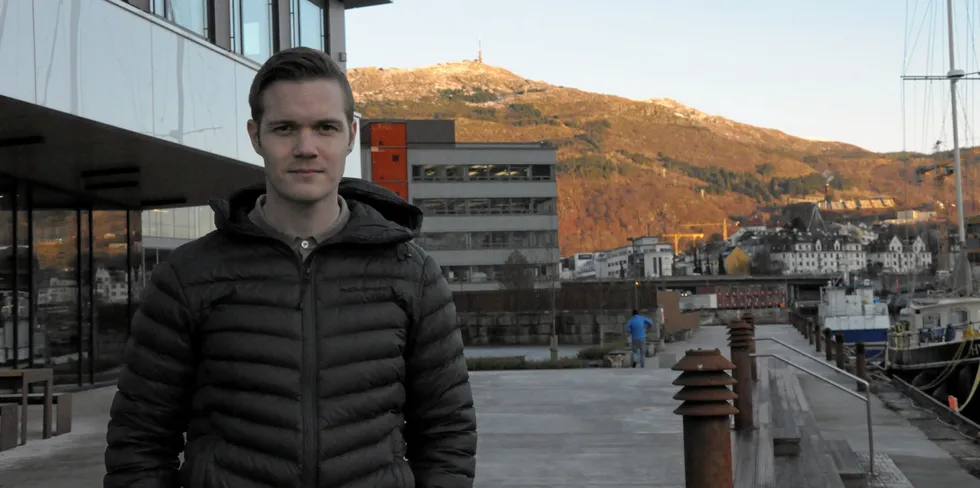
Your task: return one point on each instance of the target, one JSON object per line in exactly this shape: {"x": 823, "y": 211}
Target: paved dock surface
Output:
{"x": 568, "y": 429}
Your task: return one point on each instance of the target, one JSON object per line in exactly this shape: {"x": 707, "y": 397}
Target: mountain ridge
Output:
{"x": 629, "y": 167}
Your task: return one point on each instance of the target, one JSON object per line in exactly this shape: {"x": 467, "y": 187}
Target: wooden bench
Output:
{"x": 752, "y": 456}
{"x": 61, "y": 401}
{"x": 851, "y": 472}
{"x": 814, "y": 466}
{"x": 786, "y": 431}
{"x": 9, "y": 419}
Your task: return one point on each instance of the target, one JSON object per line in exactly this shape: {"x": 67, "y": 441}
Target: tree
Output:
{"x": 517, "y": 273}
{"x": 763, "y": 264}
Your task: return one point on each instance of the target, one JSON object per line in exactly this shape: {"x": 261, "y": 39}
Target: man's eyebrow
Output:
{"x": 329, "y": 120}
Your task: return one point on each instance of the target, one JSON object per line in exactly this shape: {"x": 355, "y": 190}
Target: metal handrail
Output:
{"x": 867, "y": 389}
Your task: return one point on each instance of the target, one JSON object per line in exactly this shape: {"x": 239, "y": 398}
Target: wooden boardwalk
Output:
{"x": 786, "y": 448}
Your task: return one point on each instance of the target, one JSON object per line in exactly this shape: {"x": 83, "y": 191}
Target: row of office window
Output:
{"x": 487, "y": 206}
{"x": 483, "y": 172}
{"x": 251, "y": 23}
{"x": 492, "y": 273}
{"x": 514, "y": 239}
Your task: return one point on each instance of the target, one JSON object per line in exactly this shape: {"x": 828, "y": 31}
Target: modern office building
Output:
{"x": 490, "y": 209}
{"x": 111, "y": 108}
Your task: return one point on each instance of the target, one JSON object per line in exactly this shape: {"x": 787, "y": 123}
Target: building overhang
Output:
{"x": 349, "y": 4}
{"x": 109, "y": 166}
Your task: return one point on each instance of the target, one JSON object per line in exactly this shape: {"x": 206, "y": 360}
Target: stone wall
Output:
{"x": 534, "y": 328}
{"x": 762, "y": 316}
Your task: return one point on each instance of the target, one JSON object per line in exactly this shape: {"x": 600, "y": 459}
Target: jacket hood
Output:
{"x": 377, "y": 215}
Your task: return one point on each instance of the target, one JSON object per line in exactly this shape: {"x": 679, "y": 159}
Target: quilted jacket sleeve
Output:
{"x": 149, "y": 413}
{"x": 440, "y": 423}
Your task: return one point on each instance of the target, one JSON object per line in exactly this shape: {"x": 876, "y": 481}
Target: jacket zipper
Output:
{"x": 309, "y": 377}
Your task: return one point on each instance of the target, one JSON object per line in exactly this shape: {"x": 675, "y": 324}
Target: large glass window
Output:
{"x": 189, "y": 14}
{"x": 251, "y": 27}
{"x": 64, "y": 283}
{"x": 306, "y": 20}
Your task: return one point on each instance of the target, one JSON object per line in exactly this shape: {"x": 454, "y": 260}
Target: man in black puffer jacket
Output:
{"x": 307, "y": 343}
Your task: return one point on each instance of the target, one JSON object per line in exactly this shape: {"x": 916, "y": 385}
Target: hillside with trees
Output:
{"x": 631, "y": 167}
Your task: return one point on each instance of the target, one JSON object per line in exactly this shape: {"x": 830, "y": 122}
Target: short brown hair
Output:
{"x": 298, "y": 64}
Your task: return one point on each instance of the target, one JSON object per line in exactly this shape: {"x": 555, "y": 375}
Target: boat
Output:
{"x": 934, "y": 333}
{"x": 932, "y": 336}
{"x": 854, "y": 312}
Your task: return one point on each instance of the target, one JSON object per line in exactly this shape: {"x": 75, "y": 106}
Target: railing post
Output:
{"x": 828, "y": 337}
{"x": 808, "y": 330}
{"x": 706, "y": 411}
{"x": 816, "y": 335}
{"x": 860, "y": 364}
{"x": 748, "y": 318}
{"x": 740, "y": 338}
{"x": 839, "y": 353}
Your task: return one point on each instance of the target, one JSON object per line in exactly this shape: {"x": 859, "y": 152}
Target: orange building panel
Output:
{"x": 388, "y": 134}
{"x": 400, "y": 188}
{"x": 389, "y": 165}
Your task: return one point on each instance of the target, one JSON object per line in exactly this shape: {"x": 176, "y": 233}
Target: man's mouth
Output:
{"x": 306, "y": 171}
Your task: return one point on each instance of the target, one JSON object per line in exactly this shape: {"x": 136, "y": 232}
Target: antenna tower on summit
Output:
{"x": 479, "y": 52}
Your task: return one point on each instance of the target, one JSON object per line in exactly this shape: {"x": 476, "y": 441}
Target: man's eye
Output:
{"x": 327, "y": 128}
{"x": 281, "y": 129}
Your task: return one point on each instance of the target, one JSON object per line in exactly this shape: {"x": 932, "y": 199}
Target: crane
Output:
{"x": 723, "y": 224}
{"x": 944, "y": 168}
{"x": 677, "y": 238}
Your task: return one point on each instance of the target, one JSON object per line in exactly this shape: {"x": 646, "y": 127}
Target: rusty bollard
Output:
{"x": 706, "y": 411}
{"x": 839, "y": 353}
{"x": 828, "y": 338}
{"x": 740, "y": 339}
{"x": 860, "y": 364}
{"x": 748, "y": 318}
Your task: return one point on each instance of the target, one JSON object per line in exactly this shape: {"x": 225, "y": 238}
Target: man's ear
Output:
{"x": 253, "y": 134}
{"x": 353, "y": 137}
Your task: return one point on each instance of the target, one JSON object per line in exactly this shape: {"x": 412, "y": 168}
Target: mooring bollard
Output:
{"x": 740, "y": 339}
{"x": 808, "y": 327}
{"x": 748, "y": 318}
{"x": 706, "y": 411}
{"x": 828, "y": 338}
{"x": 839, "y": 353}
{"x": 816, "y": 336}
{"x": 860, "y": 364}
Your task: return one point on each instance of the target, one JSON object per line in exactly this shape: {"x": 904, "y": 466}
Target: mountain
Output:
{"x": 632, "y": 167}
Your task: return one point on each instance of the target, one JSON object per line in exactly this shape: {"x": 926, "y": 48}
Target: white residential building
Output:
{"x": 897, "y": 255}
{"x": 654, "y": 258}
{"x": 820, "y": 255}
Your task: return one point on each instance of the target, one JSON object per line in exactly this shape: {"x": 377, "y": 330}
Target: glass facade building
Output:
{"x": 69, "y": 281}
{"x": 115, "y": 139}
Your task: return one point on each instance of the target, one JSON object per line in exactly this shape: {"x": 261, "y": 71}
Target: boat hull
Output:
{"x": 853, "y": 336}
{"x": 934, "y": 355}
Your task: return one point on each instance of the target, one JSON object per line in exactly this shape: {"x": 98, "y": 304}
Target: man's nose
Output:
{"x": 305, "y": 146}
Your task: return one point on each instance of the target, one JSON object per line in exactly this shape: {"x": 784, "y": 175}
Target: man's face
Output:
{"x": 304, "y": 138}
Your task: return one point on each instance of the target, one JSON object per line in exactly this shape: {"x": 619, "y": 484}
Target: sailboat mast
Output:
{"x": 954, "y": 75}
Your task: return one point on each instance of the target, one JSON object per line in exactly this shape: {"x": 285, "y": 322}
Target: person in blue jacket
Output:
{"x": 637, "y": 329}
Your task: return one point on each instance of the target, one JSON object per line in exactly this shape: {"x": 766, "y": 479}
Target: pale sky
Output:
{"x": 827, "y": 69}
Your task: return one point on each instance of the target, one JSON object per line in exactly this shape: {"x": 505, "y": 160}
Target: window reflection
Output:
{"x": 65, "y": 298}
{"x": 306, "y": 20}
{"x": 189, "y": 14}
{"x": 251, "y": 27}
{"x": 180, "y": 223}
